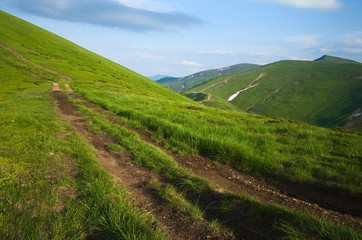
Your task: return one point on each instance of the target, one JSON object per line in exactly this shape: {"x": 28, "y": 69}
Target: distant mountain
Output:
{"x": 185, "y": 83}
{"x": 168, "y": 80}
{"x": 323, "y": 92}
{"x": 332, "y": 59}
{"x": 157, "y": 77}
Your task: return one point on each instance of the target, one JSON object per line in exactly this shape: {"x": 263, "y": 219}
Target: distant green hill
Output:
{"x": 324, "y": 92}
{"x": 157, "y": 77}
{"x": 332, "y": 59}
{"x": 168, "y": 80}
{"x": 185, "y": 83}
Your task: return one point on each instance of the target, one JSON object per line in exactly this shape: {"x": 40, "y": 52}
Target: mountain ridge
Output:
{"x": 317, "y": 80}
{"x": 334, "y": 59}
{"x": 157, "y": 77}
{"x": 184, "y": 83}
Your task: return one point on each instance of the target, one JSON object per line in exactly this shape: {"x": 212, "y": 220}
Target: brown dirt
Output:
{"x": 133, "y": 177}
{"x": 69, "y": 90}
{"x": 136, "y": 179}
{"x": 342, "y": 209}
{"x": 294, "y": 196}
{"x": 23, "y": 59}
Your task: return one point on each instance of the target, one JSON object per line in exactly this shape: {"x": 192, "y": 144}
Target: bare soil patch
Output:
{"x": 338, "y": 207}
{"x": 136, "y": 179}
{"x": 25, "y": 60}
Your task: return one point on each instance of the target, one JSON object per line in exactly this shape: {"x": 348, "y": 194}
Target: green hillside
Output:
{"x": 332, "y": 59}
{"x": 185, "y": 83}
{"x": 322, "y": 93}
{"x": 168, "y": 80}
{"x": 104, "y": 161}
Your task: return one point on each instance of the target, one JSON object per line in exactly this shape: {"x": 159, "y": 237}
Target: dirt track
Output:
{"x": 228, "y": 179}
{"x": 135, "y": 179}
{"x": 294, "y": 196}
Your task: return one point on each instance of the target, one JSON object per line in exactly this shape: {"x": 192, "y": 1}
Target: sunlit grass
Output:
{"x": 196, "y": 198}
{"x": 263, "y": 146}
{"x": 41, "y": 201}
{"x": 51, "y": 185}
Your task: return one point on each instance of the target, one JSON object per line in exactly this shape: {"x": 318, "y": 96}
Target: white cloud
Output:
{"x": 248, "y": 51}
{"x": 314, "y": 4}
{"x": 304, "y": 41}
{"x": 353, "y": 39}
{"x": 218, "y": 52}
{"x": 132, "y": 3}
{"x": 109, "y": 13}
{"x": 259, "y": 54}
{"x": 190, "y": 63}
{"x": 326, "y": 50}
{"x": 352, "y": 50}
{"x": 297, "y": 58}
{"x": 150, "y": 56}
{"x": 349, "y": 43}
{"x": 150, "y": 5}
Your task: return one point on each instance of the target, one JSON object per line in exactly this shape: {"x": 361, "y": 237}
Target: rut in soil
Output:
{"x": 136, "y": 178}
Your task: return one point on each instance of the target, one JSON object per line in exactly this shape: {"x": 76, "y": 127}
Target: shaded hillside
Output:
{"x": 168, "y": 80}
{"x": 157, "y": 77}
{"x": 91, "y": 150}
{"x": 332, "y": 59}
{"x": 322, "y": 93}
{"x": 185, "y": 83}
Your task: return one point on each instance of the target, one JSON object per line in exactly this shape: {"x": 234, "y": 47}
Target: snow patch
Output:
{"x": 232, "y": 97}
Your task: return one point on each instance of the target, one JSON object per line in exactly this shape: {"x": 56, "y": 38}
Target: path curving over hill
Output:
{"x": 22, "y": 58}
{"x": 136, "y": 178}
{"x": 251, "y": 85}
{"x": 222, "y": 176}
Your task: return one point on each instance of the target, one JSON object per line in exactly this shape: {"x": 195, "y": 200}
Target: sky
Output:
{"x": 182, "y": 37}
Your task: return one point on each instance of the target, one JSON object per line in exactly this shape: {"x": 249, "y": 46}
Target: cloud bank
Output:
{"x": 190, "y": 63}
{"x": 108, "y": 13}
{"x": 314, "y": 4}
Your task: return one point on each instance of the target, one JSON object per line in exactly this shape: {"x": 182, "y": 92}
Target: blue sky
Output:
{"x": 181, "y": 37}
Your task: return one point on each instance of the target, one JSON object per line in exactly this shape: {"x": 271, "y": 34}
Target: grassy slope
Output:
{"x": 51, "y": 185}
{"x": 260, "y": 145}
{"x": 54, "y": 52}
{"x": 318, "y": 93}
{"x": 185, "y": 83}
{"x": 189, "y": 193}
{"x": 332, "y": 59}
{"x": 167, "y": 80}
{"x": 263, "y": 146}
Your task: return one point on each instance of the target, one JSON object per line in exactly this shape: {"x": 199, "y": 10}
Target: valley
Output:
{"x": 323, "y": 93}
{"x": 185, "y": 83}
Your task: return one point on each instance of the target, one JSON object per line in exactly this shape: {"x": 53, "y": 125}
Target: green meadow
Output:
{"x": 52, "y": 186}
{"x": 323, "y": 93}
{"x": 185, "y": 83}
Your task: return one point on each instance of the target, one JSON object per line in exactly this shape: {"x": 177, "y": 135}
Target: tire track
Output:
{"x": 135, "y": 178}
{"x": 226, "y": 178}
{"x": 223, "y": 176}
{"x": 23, "y": 59}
